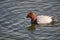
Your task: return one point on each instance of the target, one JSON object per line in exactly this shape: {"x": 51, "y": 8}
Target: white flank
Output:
{"x": 43, "y": 19}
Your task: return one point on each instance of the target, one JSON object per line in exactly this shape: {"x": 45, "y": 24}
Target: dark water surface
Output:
{"x": 13, "y": 22}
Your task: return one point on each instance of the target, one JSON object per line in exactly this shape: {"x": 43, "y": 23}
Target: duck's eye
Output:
{"x": 30, "y": 16}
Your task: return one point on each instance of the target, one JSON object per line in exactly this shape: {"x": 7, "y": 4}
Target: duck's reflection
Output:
{"x": 32, "y": 27}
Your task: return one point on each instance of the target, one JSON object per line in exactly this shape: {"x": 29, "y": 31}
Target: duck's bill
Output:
{"x": 27, "y": 16}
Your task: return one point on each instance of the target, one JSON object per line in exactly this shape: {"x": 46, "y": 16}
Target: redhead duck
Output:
{"x": 42, "y": 19}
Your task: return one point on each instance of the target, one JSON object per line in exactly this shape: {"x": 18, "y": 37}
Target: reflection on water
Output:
{"x": 32, "y": 27}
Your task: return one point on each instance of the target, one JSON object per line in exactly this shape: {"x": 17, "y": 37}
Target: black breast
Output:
{"x": 34, "y": 22}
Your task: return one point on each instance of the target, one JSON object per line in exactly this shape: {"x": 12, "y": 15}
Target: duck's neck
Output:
{"x": 34, "y": 21}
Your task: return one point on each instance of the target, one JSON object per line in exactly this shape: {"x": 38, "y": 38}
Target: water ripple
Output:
{"x": 13, "y": 22}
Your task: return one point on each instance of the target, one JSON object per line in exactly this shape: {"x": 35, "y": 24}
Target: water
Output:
{"x": 13, "y": 22}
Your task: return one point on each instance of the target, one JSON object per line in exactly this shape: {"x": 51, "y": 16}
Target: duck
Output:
{"x": 41, "y": 19}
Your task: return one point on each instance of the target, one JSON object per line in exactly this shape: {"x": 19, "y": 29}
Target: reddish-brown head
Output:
{"x": 32, "y": 16}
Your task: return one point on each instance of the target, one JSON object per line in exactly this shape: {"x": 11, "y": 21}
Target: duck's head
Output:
{"x": 32, "y": 16}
